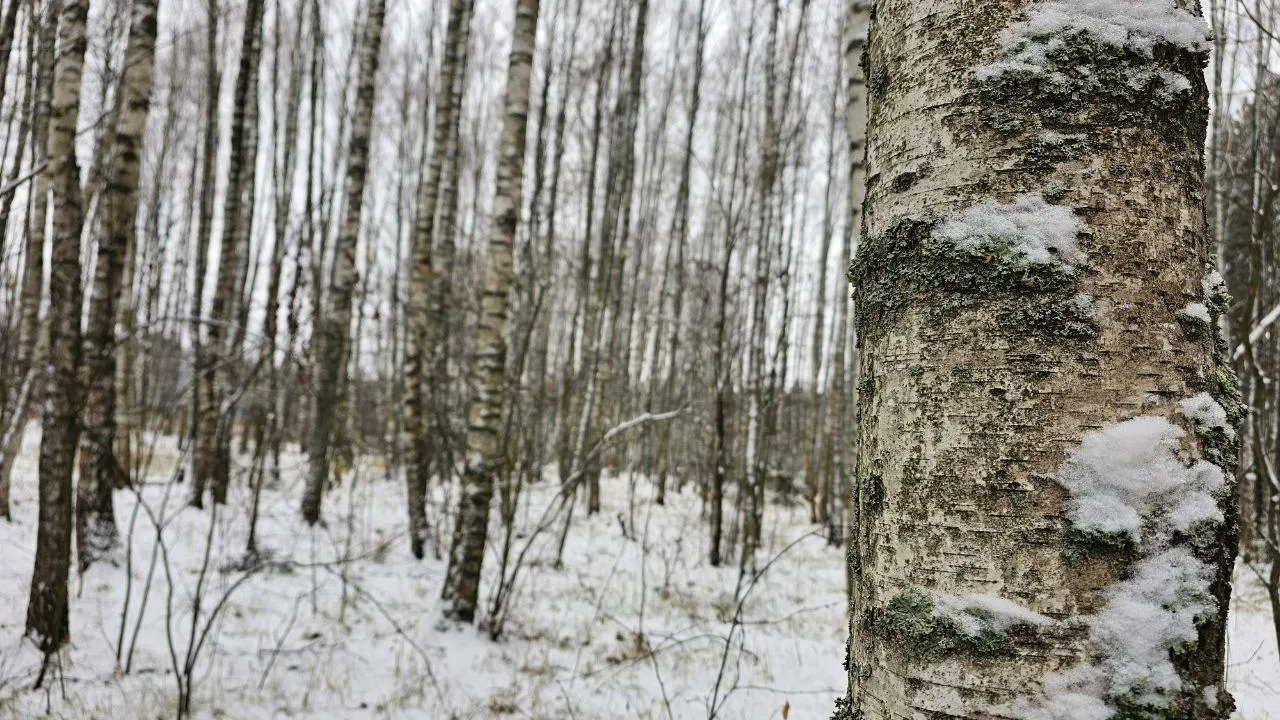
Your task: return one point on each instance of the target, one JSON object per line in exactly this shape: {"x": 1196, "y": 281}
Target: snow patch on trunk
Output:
{"x": 1128, "y": 478}
{"x": 1198, "y": 312}
{"x": 1137, "y": 25}
{"x": 1129, "y": 474}
{"x": 1028, "y": 231}
{"x": 1206, "y": 413}
{"x": 975, "y": 615}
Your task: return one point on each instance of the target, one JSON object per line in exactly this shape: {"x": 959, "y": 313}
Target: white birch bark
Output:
{"x": 334, "y": 326}
{"x": 484, "y": 459}
{"x": 100, "y": 470}
{"x": 47, "y": 611}
{"x": 992, "y": 367}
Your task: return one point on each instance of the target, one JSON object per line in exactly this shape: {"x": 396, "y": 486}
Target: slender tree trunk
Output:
{"x": 680, "y": 236}
{"x": 213, "y": 447}
{"x": 444, "y": 318}
{"x": 417, "y": 347}
{"x": 1025, "y": 378}
{"x": 47, "y": 612}
{"x": 288, "y": 143}
{"x": 334, "y": 326}
{"x": 614, "y": 233}
{"x": 204, "y": 358}
{"x": 8, "y": 29}
{"x": 484, "y": 448}
{"x": 857, "y": 22}
{"x": 31, "y": 338}
{"x": 100, "y": 471}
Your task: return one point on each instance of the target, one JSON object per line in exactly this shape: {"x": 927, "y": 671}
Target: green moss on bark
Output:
{"x": 844, "y": 710}
{"x": 909, "y": 622}
{"x": 1080, "y": 547}
{"x": 1088, "y": 80}
{"x": 904, "y": 266}
{"x": 1057, "y": 315}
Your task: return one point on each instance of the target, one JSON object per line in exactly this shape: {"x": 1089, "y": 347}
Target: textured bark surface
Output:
{"x": 47, "y": 621}
{"x": 100, "y": 470}
{"x": 417, "y": 343}
{"x": 334, "y": 325}
{"x": 972, "y": 392}
{"x": 485, "y": 458}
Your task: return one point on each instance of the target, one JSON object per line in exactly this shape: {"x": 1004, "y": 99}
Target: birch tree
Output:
{"x": 225, "y": 331}
{"x": 1047, "y": 413}
{"x": 334, "y": 326}
{"x": 100, "y": 470}
{"x": 485, "y": 455}
{"x": 47, "y": 611}
{"x": 418, "y": 404}
{"x": 31, "y": 339}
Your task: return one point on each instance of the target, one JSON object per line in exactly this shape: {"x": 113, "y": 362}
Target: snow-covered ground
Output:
{"x": 635, "y": 624}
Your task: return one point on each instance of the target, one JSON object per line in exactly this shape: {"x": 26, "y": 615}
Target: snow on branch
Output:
{"x": 1258, "y": 331}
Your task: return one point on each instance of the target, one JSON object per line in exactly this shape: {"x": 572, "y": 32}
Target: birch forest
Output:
{"x": 451, "y": 359}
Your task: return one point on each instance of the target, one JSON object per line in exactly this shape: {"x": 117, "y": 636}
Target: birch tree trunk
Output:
{"x": 288, "y": 147}
{"x": 1047, "y": 413}
{"x": 31, "y": 337}
{"x": 100, "y": 471}
{"x": 335, "y": 325}
{"x": 47, "y": 619}
{"x": 8, "y": 30}
{"x": 680, "y": 236}
{"x": 417, "y": 344}
{"x": 203, "y": 359}
{"x": 614, "y": 231}
{"x": 485, "y": 457}
{"x": 213, "y": 446}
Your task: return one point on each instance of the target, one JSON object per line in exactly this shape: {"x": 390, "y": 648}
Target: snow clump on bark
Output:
{"x": 1028, "y": 231}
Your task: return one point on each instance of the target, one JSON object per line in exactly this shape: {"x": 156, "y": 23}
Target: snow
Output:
{"x": 1128, "y": 478}
{"x": 1138, "y": 25}
{"x": 1034, "y": 231}
{"x": 975, "y": 615}
{"x": 1054, "y": 138}
{"x": 1130, "y": 472}
{"x": 1206, "y": 413}
{"x": 1084, "y": 305}
{"x": 1198, "y": 312}
{"x": 1253, "y": 660}
{"x": 1148, "y": 615}
{"x": 623, "y": 624}
{"x": 1213, "y": 284}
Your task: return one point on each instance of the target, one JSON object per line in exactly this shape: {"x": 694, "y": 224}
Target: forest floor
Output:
{"x": 342, "y": 622}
